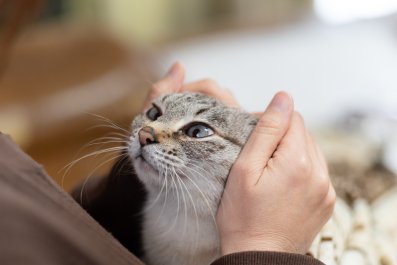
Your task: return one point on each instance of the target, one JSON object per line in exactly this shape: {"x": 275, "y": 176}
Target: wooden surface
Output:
{"x": 55, "y": 77}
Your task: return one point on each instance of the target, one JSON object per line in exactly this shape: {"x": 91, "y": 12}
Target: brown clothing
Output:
{"x": 41, "y": 224}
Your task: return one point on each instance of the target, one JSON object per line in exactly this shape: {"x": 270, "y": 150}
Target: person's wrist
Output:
{"x": 258, "y": 243}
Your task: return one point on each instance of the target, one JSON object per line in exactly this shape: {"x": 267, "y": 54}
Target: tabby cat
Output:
{"x": 182, "y": 150}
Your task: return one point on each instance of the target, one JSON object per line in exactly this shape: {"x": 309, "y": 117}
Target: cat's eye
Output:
{"x": 198, "y": 130}
{"x": 153, "y": 113}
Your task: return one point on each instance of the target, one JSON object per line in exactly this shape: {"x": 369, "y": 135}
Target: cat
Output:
{"x": 166, "y": 186}
{"x": 182, "y": 149}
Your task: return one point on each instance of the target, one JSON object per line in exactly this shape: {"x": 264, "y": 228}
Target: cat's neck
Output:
{"x": 189, "y": 225}
{"x": 179, "y": 202}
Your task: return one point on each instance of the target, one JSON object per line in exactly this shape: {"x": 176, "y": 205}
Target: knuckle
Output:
{"x": 298, "y": 118}
{"x": 301, "y": 171}
{"x": 228, "y": 92}
{"x": 303, "y": 164}
{"x": 239, "y": 168}
{"x": 210, "y": 83}
{"x": 268, "y": 125}
{"x": 157, "y": 89}
{"x": 322, "y": 187}
{"x": 323, "y": 184}
{"x": 330, "y": 199}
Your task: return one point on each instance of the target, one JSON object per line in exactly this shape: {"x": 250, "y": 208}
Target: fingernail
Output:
{"x": 173, "y": 70}
{"x": 281, "y": 102}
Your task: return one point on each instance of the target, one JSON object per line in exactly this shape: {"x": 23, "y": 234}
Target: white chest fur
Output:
{"x": 178, "y": 233}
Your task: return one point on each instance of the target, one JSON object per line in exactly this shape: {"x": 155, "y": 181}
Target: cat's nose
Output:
{"x": 147, "y": 136}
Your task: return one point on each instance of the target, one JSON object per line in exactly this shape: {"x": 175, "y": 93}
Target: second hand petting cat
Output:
{"x": 182, "y": 150}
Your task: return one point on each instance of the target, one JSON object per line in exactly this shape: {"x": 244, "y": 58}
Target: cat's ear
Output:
{"x": 172, "y": 82}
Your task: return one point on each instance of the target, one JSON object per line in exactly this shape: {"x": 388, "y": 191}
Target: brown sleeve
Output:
{"x": 42, "y": 224}
{"x": 116, "y": 202}
{"x": 265, "y": 258}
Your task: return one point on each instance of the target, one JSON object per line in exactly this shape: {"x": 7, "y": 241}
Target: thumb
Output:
{"x": 270, "y": 129}
{"x": 172, "y": 82}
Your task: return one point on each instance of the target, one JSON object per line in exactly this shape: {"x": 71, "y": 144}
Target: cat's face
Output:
{"x": 188, "y": 141}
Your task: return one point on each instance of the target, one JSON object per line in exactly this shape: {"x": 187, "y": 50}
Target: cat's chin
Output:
{"x": 145, "y": 171}
{"x": 142, "y": 165}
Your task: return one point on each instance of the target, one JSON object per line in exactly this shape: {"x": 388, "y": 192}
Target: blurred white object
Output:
{"x": 327, "y": 69}
{"x": 390, "y": 154}
{"x": 370, "y": 238}
{"x": 376, "y": 128}
{"x": 345, "y": 11}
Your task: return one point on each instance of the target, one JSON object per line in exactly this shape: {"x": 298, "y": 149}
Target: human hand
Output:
{"x": 173, "y": 82}
{"x": 278, "y": 194}
{"x": 292, "y": 188}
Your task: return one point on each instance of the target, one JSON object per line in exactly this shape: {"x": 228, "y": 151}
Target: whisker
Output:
{"x": 207, "y": 173}
{"x": 184, "y": 202}
{"x": 121, "y": 163}
{"x": 225, "y": 197}
{"x": 177, "y": 197}
{"x": 92, "y": 172}
{"x": 204, "y": 197}
{"x": 115, "y": 125}
{"x": 97, "y": 140}
{"x": 119, "y": 135}
{"x": 106, "y": 142}
{"x": 157, "y": 197}
{"x": 177, "y": 213}
{"x": 95, "y": 153}
{"x": 166, "y": 195}
{"x": 161, "y": 157}
{"x": 204, "y": 173}
{"x": 123, "y": 132}
{"x": 195, "y": 211}
{"x": 109, "y": 137}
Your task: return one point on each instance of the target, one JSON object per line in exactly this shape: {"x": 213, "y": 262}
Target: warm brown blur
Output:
{"x": 63, "y": 59}
{"x": 52, "y": 76}
{"x": 14, "y": 15}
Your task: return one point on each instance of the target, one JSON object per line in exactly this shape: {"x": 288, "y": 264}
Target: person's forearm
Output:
{"x": 265, "y": 258}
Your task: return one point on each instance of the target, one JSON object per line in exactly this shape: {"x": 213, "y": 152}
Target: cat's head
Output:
{"x": 189, "y": 140}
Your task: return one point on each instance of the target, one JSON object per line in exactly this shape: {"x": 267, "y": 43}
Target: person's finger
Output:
{"x": 293, "y": 152}
{"x": 321, "y": 157}
{"x": 298, "y": 146}
{"x": 317, "y": 152}
{"x": 257, "y": 114}
{"x": 211, "y": 88}
{"x": 264, "y": 139}
{"x": 171, "y": 82}
{"x": 295, "y": 142}
{"x": 331, "y": 199}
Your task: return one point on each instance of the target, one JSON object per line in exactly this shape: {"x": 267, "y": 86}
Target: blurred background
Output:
{"x": 61, "y": 61}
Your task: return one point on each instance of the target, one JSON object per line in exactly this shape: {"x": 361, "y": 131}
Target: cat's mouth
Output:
{"x": 144, "y": 163}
